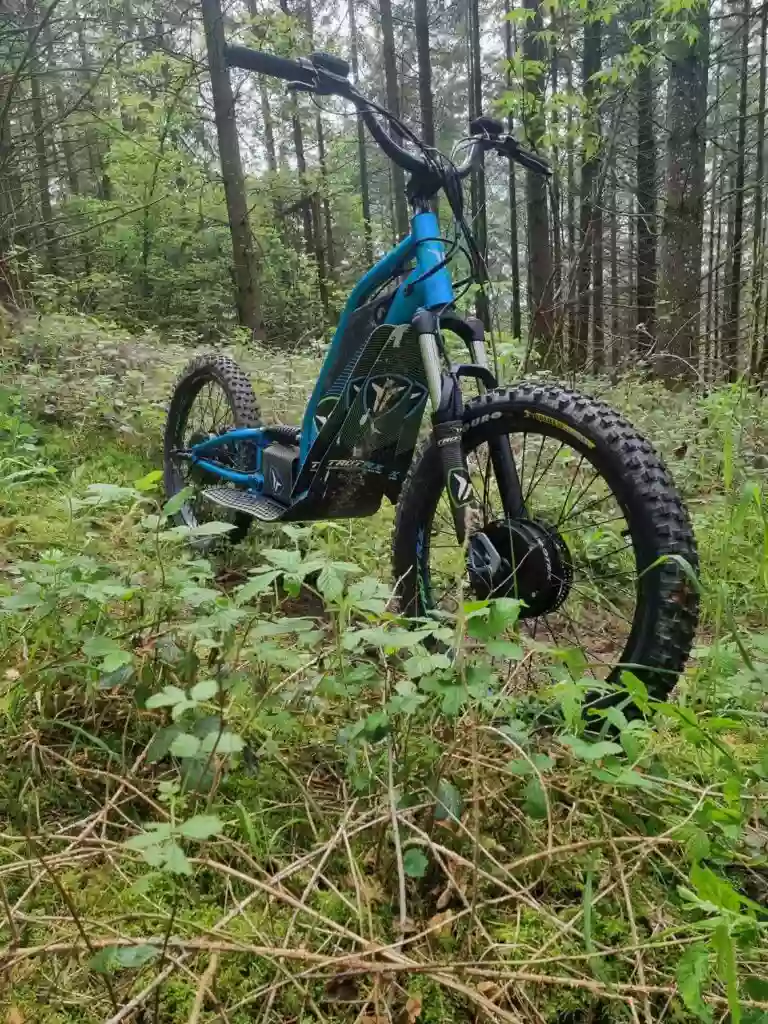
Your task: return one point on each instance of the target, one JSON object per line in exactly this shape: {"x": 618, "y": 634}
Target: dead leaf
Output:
{"x": 490, "y": 989}
{"x": 413, "y": 1008}
{"x": 445, "y": 897}
{"x": 410, "y": 1011}
{"x": 441, "y": 923}
{"x": 15, "y": 1016}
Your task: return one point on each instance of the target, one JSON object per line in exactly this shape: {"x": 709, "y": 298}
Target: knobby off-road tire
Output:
{"x": 666, "y": 602}
{"x": 237, "y": 408}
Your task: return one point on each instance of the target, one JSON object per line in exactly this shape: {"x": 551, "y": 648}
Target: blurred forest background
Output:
{"x": 118, "y": 196}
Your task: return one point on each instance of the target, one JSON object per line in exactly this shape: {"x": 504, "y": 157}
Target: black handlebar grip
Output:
{"x": 268, "y": 64}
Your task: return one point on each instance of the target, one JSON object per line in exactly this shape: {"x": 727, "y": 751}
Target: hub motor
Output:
{"x": 521, "y": 558}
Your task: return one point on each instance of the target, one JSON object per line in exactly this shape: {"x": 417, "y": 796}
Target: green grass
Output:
{"x": 629, "y": 879}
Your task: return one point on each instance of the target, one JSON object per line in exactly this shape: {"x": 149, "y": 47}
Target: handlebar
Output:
{"x": 326, "y": 74}
{"x": 268, "y": 64}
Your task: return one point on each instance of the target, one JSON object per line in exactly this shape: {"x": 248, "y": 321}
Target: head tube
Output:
{"x": 425, "y": 287}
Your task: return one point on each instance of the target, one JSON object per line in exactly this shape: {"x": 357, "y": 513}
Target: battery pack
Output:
{"x": 278, "y": 465}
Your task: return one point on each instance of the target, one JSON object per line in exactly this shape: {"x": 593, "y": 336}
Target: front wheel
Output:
{"x": 590, "y": 558}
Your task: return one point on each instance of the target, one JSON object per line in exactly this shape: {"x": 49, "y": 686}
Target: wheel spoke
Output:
{"x": 543, "y": 473}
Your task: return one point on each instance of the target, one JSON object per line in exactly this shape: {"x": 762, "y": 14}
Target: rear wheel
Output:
{"x": 211, "y": 397}
{"x": 588, "y": 559}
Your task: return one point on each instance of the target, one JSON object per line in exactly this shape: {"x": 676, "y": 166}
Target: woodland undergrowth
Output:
{"x": 236, "y": 786}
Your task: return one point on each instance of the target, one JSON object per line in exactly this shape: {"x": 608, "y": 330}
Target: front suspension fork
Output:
{"x": 499, "y": 448}
{"x": 448, "y": 425}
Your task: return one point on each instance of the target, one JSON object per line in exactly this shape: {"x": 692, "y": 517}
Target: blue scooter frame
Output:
{"x": 428, "y": 286}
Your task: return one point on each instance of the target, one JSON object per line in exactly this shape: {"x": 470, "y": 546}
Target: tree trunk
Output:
{"x": 245, "y": 266}
{"x": 590, "y": 163}
{"x": 421, "y": 18}
{"x": 645, "y": 169}
{"x": 632, "y": 268}
{"x": 477, "y": 191}
{"x": 305, "y": 202}
{"x": 734, "y": 302}
{"x": 393, "y": 105}
{"x": 711, "y": 301}
{"x": 758, "y": 254}
{"x": 269, "y": 126}
{"x": 12, "y": 215}
{"x": 514, "y": 257}
{"x": 684, "y": 214}
{"x": 539, "y": 248}
{"x": 329, "y": 260}
{"x": 361, "y": 151}
{"x": 573, "y": 324}
{"x": 67, "y": 152}
{"x": 598, "y": 319}
{"x": 557, "y": 360}
{"x": 726, "y": 332}
{"x": 716, "y": 338}
{"x": 615, "y": 326}
{"x": 41, "y": 150}
{"x": 266, "y": 109}
{"x": 93, "y": 145}
{"x": 710, "y": 323}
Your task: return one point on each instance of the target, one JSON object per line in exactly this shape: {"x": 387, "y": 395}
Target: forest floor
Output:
{"x": 224, "y": 803}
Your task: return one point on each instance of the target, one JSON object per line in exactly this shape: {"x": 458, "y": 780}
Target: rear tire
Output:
{"x": 666, "y": 599}
{"x": 230, "y": 404}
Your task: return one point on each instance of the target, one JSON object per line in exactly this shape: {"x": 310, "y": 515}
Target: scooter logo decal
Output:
{"x": 324, "y": 409}
{"x": 459, "y": 487}
{"x": 383, "y": 393}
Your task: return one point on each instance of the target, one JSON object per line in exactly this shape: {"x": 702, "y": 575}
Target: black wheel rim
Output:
{"x": 563, "y": 488}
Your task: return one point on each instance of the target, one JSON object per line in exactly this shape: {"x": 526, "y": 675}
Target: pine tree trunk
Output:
{"x": 645, "y": 169}
{"x": 401, "y": 225}
{"x": 710, "y": 323}
{"x": 362, "y": 156}
{"x": 67, "y": 151}
{"x": 710, "y": 306}
{"x": 631, "y": 273}
{"x": 514, "y": 256}
{"x": 13, "y": 219}
{"x": 734, "y": 302}
{"x": 682, "y": 230}
{"x": 598, "y": 319}
{"x": 539, "y": 248}
{"x": 479, "y": 216}
{"x": 329, "y": 260}
{"x": 266, "y": 109}
{"x": 717, "y": 319}
{"x": 41, "y": 150}
{"x": 557, "y": 358}
{"x": 615, "y": 326}
{"x": 421, "y": 18}
{"x": 758, "y": 253}
{"x": 245, "y": 266}
{"x": 269, "y": 126}
{"x": 573, "y": 320}
{"x": 305, "y": 200}
{"x": 589, "y": 176}
{"x": 93, "y": 145}
{"x": 725, "y": 339}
